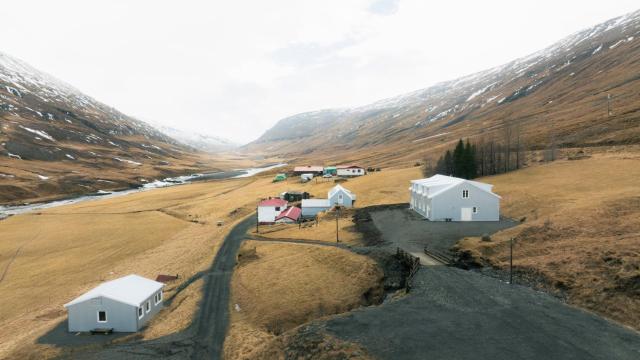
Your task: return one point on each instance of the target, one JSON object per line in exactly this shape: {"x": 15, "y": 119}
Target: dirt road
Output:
{"x": 213, "y": 317}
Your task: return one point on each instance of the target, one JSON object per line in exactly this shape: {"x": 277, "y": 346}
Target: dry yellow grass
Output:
{"x": 67, "y": 250}
{"x": 582, "y": 230}
{"x": 280, "y": 286}
{"x": 324, "y": 230}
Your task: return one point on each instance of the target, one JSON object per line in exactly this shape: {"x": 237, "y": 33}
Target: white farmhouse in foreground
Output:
{"x": 124, "y": 305}
{"x": 443, "y": 197}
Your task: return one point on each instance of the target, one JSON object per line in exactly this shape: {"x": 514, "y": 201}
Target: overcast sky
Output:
{"x": 234, "y": 68}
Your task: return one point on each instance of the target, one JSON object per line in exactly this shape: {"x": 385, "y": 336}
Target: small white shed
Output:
{"x": 124, "y": 305}
{"x": 338, "y": 195}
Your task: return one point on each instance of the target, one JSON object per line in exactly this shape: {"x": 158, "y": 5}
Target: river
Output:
{"x": 6, "y": 211}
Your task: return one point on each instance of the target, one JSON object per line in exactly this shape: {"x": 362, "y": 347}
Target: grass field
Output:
{"x": 54, "y": 255}
{"x": 581, "y": 234}
{"x": 277, "y": 287}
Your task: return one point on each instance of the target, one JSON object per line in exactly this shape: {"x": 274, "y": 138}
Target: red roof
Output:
{"x": 273, "y": 202}
{"x": 166, "y": 278}
{"x": 292, "y": 213}
{"x": 308, "y": 168}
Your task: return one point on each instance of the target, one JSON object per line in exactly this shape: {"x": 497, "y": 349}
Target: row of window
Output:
{"x": 147, "y": 306}
{"x": 102, "y": 314}
{"x": 425, "y": 191}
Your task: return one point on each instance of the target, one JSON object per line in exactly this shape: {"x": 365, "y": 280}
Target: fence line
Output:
{"x": 411, "y": 262}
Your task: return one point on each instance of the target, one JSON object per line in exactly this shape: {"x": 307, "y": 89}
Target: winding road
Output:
{"x": 213, "y": 317}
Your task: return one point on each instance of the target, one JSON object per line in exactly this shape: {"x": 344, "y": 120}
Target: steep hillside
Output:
{"x": 56, "y": 141}
{"x": 560, "y": 92}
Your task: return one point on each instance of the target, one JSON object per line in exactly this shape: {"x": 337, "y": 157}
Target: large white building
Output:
{"x": 443, "y": 197}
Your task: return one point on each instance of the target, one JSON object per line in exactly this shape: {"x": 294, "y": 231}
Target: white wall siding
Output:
{"x": 268, "y": 214}
{"x": 350, "y": 172}
{"x": 342, "y": 198}
{"x": 449, "y": 203}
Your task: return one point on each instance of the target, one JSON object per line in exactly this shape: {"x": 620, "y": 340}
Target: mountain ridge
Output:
{"x": 552, "y": 83}
{"x": 55, "y": 141}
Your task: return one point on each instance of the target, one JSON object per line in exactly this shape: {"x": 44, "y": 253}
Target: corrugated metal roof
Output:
{"x": 308, "y": 168}
{"x": 273, "y": 202}
{"x": 292, "y": 213}
{"x": 131, "y": 289}
{"x": 441, "y": 183}
{"x": 313, "y": 203}
{"x": 337, "y": 188}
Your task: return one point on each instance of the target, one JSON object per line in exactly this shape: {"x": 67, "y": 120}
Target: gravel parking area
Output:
{"x": 457, "y": 314}
{"x": 411, "y": 232}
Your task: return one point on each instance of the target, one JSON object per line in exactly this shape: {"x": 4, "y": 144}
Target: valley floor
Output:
{"x": 51, "y": 256}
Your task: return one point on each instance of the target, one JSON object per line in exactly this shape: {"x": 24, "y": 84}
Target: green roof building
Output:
{"x": 331, "y": 170}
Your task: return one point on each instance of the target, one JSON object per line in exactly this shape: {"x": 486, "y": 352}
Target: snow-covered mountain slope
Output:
{"x": 203, "y": 142}
{"x": 561, "y": 89}
{"x": 55, "y": 140}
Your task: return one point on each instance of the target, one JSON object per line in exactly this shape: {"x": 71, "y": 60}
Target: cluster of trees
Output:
{"x": 488, "y": 156}
{"x": 461, "y": 162}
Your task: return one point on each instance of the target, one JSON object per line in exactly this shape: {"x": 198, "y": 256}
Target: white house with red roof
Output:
{"x": 290, "y": 216}
{"x": 269, "y": 209}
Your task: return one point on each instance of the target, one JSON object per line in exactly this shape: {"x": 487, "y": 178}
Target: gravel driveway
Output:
{"x": 411, "y": 232}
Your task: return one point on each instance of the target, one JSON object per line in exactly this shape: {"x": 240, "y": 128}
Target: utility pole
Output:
{"x": 511, "y": 261}
{"x": 337, "y": 216}
{"x": 257, "y": 221}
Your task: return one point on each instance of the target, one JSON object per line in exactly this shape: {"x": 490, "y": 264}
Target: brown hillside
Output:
{"x": 56, "y": 141}
{"x": 560, "y": 92}
{"x": 581, "y": 236}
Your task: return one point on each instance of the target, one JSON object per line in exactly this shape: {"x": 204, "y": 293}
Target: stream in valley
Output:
{"x": 6, "y": 211}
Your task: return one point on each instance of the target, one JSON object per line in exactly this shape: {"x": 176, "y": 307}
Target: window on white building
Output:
{"x": 147, "y": 306}
{"x": 140, "y": 312}
{"x": 102, "y": 316}
{"x": 465, "y": 194}
{"x": 475, "y": 210}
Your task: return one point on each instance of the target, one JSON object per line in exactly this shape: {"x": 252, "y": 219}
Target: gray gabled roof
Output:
{"x": 439, "y": 184}
{"x": 131, "y": 289}
{"x": 339, "y": 188}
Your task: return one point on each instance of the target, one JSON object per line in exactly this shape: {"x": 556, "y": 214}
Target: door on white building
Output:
{"x": 466, "y": 214}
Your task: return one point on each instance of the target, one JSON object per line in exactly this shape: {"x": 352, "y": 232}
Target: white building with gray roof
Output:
{"x": 123, "y": 305}
{"x": 443, "y": 198}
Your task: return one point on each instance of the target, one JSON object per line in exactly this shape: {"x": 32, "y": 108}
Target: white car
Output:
{"x": 327, "y": 176}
